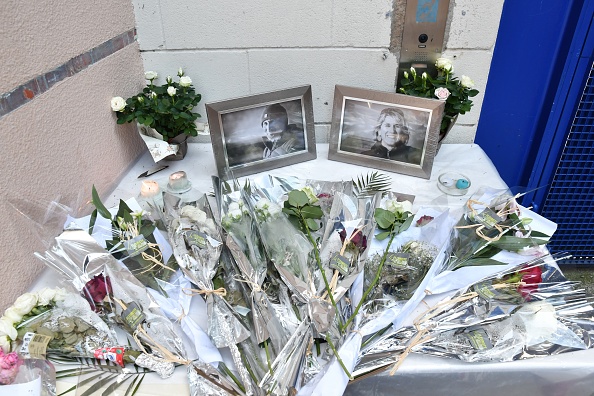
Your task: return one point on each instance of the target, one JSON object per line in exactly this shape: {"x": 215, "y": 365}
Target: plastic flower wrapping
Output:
{"x": 283, "y": 286}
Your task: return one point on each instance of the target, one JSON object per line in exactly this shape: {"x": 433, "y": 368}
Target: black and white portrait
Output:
{"x": 263, "y": 132}
{"x": 387, "y": 131}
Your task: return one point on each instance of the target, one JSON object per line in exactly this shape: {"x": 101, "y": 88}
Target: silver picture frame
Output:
{"x": 255, "y": 133}
{"x": 382, "y": 130}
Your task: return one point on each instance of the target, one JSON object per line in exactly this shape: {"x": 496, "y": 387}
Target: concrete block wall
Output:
{"x": 233, "y": 48}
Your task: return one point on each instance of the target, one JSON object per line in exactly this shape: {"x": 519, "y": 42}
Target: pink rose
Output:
{"x": 442, "y": 93}
{"x": 9, "y": 366}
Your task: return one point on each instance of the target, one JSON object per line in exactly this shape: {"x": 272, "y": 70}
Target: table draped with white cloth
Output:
{"x": 564, "y": 374}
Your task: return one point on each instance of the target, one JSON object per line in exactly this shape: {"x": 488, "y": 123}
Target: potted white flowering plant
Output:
{"x": 444, "y": 86}
{"x": 165, "y": 111}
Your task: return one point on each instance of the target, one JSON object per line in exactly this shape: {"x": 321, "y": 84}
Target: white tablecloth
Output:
{"x": 567, "y": 374}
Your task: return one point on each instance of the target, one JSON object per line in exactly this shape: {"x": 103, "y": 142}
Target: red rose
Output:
{"x": 531, "y": 278}
{"x": 359, "y": 240}
{"x": 96, "y": 289}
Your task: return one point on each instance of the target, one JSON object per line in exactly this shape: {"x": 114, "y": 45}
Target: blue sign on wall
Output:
{"x": 427, "y": 11}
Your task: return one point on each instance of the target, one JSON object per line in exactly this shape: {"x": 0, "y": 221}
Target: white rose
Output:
{"x": 168, "y": 79}
{"x": 150, "y": 75}
{"x": 7, "y": 329}
{"x": 118, "y": 103}
{"x": 424, "y": 76}
{"x": 45, "y": 296}
{"x": 311, "y": 195}
{"x": 405, "y": 74}
{"x": 12, "y": 315}
{"x": 61, "y": 294}
{"x": 444, "y": 64}
{"x": 25, "y": 303}
{"x": 466, "y": 82}
{"x": 180, "y": 72}
{"x": 5, "y": 344}
{"x": 442, "y": 93}
{"x": 153, "y": 95}
{"x": 398, "y": 207}
{"x": 185, "y": 81}
{"x": 171, "y": 91}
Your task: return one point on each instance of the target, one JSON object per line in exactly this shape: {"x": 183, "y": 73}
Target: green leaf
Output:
{"x": 92, "y": 221}
{"x": 289, "y": 211}
{"x": 404, "y": 226}
{"x": 312, "y": 224}
{"x": 298, "y": 198}
{"x": 476, "y": 262}
{"x": 513, "y": 244}
{"x": 382, "y": 235}
{"x": 99, "y": 205}
{"x": 384, "y": 218}
{"x": 312, "y": 212}
{"x": 147, "y": 230}
{"x": 539, "y": 234}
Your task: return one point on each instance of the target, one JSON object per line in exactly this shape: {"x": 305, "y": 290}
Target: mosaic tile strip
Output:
{"x": 14, "y": 99}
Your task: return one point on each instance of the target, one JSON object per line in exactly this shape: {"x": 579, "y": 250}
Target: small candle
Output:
{"x": 149, "y": 188}
{"x": 178, "y": 181}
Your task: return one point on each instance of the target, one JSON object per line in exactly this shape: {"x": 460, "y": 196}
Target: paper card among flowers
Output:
{"x": 158, "y": 148}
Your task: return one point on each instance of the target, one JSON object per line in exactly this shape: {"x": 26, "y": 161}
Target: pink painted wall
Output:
{"x": 64, "y": 140}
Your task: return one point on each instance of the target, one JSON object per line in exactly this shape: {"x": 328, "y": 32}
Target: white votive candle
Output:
{"x": 149, "y": 188}
{"x": 178, "y": 181}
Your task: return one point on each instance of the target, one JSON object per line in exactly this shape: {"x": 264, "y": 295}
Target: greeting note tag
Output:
{"x": 136, "y": 245}
{"x": 397, "y": 260}
{"x": 133, "y": 315}
{"x": 340, "y": 263}
{"x": 479, "y": 339}
{"x": 488, "y": 218}
{"x": 35, "y": 345}
{"x": 196, "y": 238}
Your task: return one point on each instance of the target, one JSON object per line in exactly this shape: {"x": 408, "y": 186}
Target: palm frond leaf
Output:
{"x": 103, "y": 377}
{"x": 371, "y": 184}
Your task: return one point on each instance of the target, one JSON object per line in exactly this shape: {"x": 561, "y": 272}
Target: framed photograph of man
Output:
{"x": 382, "y": 130}
{"x": 260, "y": 132}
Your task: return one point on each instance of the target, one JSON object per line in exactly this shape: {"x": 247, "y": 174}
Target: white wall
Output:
{"x": 233, "y": 48}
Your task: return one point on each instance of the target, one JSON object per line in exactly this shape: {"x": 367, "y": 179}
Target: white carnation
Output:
{"x": 5, "y": 344}
{"x": 25, "y": 303}
{"x": 12, "y": 315}
{"x": 7, "y": 329}
{"x": 45, "y": 296}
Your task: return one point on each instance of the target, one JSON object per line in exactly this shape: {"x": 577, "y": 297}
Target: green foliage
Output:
{"x": 371, "y": 184}
{"x": 168, "y": 115}
{"x": 424, "y": 86}
{"x": 392, "y": 223}
{"x": 301, "y": 212}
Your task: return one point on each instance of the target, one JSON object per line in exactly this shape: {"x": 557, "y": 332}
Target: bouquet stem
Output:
{"x": 321, "y": 268}
{"x": 375, "y": 280}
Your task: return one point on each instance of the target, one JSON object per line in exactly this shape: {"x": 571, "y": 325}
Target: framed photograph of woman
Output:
{"x": 382, "y": 130}
{"x": 260, "y": 132}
